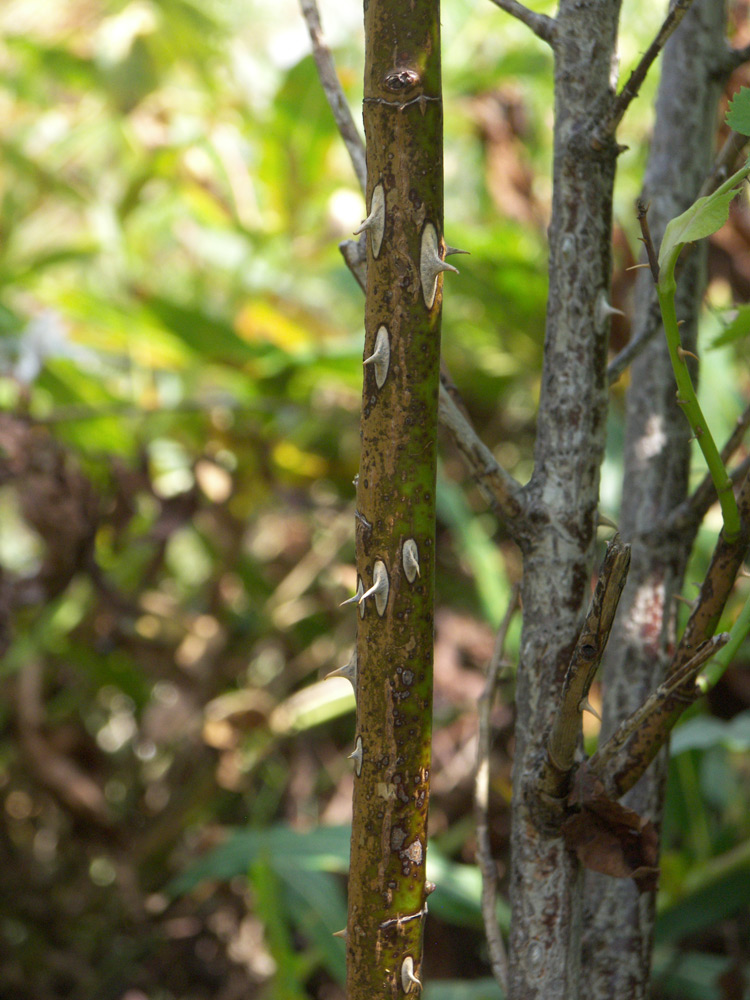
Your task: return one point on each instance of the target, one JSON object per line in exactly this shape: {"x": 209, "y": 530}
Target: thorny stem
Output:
{"x": 496, "y": 484}
{"x": 487, "y": 866}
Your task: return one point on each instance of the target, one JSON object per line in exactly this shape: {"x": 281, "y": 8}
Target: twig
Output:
{"x": 495, "y": 944}
{"x": 354, "y": 253}
{"x": 724, "y": 163}
{"x": 727, "y": 558}
{"x": 648, "y": 243}
{"x": 630, "y": 352}
{"x": 566, "y": 728}
{"x": 607, "y": 128}
{"x": 543, "y": 27}
{"x": 621, "y": 761}
{"x": 334, "y": 92}
{"x": 500, "y": 488}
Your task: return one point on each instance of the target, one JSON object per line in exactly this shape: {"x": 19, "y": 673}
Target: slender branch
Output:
{"x": 724, "y": 163}
{"x": 354, "y": 253}
{"x": 566, "y": 728}
{"x": 630, "y": 352}
{"x": 621, "y": 761}
{"x": 717, "y": 585}
{"x": 334, "y": 92}
{"x": 543, "y": 27}
{"x": 487, "y": 866}
{"x": 648, "y": 243}
{"x": 607, "y": 128}
{"x": 500, "y": 488}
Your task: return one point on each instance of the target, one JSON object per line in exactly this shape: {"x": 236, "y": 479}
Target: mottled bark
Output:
{"x": 619, "y": 920}
{"x": 562, "y": 495}
{"x": 396, "y": 497}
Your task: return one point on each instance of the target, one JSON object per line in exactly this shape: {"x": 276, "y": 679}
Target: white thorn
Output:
{"x": 375, "y": 221}
{"x": 379, "y": 589}
{"x": 380, "y": 358}
{"x": 584, "y": 705}
{"x": 410, "y": 559}
{"x": 349, "y": 671}
{"x": 431, "y": 264}
{"x": 357, "y": 597}
{"x": 356, "y": 755}
{"x": 340, "y": 934}
{"x": 408, "y": 979}
{"x": 604, "y": 309}
{"x": 452, "y": 250}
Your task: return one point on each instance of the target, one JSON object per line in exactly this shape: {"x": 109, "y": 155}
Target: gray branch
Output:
{"x": 334, "y": 92}
{"x": 543, "y": 27}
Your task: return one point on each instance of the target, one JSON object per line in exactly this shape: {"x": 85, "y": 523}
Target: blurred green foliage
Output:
{"x": 180, "y": 348}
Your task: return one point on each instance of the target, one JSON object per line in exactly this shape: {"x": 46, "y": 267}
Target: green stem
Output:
{"x": 688, "y": 400}
{"x": 686, "y": 397}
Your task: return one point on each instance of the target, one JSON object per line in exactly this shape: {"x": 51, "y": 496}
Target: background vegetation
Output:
{"x": 180, "y": 348}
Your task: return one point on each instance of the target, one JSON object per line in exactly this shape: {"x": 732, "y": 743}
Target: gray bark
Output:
{"x": 618, "y": 920}
{"x": 562, "y": 495}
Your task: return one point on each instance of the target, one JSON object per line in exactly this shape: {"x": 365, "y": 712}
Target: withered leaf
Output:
{"x": 608, "y": 837}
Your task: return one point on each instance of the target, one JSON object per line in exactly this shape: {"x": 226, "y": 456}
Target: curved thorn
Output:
{"x": 605, "y": 309}
{"x": 431, "y": 264}
{"x": 356, "y": 755}
{"x": 682, "y": 353}
{"x": 357, "y": 597}
{"x": 410, "y": 560}
{"x": 379, "y": 589}
{"x": 348, "y": 671}
{"x": 408, "y": 979}
{"x": 584, "y": 705}
{"x": 375, "y": 221}
{"x": 380, "y": 358}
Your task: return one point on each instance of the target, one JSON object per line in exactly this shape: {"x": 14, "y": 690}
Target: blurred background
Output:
{"x": 180, "y": 377}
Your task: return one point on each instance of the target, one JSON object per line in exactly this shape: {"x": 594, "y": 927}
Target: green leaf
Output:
{"x": 690, "y": 976}
{"x": 736, "y": 330}
{"x": 703, "y": 732}
{"x": 704, "y": 217}
{"x": 738, "y": 115}
{"x": 705, "y": 908}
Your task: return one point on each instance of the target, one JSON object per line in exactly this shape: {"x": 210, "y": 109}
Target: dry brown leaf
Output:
{"x": 608, "y": 837}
